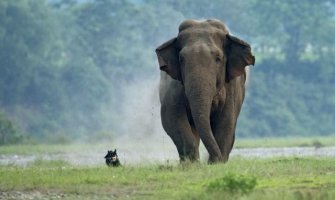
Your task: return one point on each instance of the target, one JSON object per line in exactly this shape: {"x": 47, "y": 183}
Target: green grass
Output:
{"x": 27, "y": 149}
{"x": 278, "y": 178}
{"x": 240, "y": 178}
{"x": 320, "y": 141}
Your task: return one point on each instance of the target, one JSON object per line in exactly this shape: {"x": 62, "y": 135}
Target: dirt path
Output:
{"x": 24, "y": 195}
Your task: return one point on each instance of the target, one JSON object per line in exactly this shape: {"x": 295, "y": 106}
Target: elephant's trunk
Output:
{"x": 200, "y": 92}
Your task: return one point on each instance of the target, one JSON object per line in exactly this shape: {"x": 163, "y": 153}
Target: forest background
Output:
{"x": 87, "y": 69}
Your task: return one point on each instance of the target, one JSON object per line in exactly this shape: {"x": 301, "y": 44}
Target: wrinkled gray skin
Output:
{"x": 202, "y": 88}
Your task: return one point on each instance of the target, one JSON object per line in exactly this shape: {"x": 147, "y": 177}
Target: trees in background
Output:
{"x": 63, "y": 64}
{"x": 8, "y": 132}
{"x": 291, "y": 90}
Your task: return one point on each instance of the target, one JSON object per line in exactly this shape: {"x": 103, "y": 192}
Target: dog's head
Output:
{"x": 111, "y": 155}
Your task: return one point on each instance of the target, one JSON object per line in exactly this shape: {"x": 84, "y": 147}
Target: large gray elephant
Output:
{"x": 202, "y": 87}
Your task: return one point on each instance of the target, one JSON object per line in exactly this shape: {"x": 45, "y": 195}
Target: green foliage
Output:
{"x": 64, "y": 64}
{"x": 8, "y": 133}
{"x": 234, "y": 184}
{"x": 297, "y": 28}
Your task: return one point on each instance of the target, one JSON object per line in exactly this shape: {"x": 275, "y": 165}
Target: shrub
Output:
{"x": 233, "y": 184}
{"x": 8, "y": 132}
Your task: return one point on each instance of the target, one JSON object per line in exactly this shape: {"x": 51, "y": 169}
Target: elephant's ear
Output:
{"x": 238, "y": 56}
{"x": 168, "y": 58}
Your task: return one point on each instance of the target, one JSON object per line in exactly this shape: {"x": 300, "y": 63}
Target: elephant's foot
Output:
{"x": 189, "y": 158}
{"x": 215, "y": 159}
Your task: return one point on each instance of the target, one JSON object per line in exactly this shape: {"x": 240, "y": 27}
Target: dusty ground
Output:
{"x": 23, "y": 195}
{"x": 47, "y": 195}
{"x": 128, "y": 156}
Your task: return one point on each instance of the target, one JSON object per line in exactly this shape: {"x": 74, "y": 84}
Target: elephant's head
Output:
{"x": 204, "y": 47}
{"x": 204, "y": 57}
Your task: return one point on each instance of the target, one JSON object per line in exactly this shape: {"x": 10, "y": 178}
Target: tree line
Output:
{"x": 63, "y": 62}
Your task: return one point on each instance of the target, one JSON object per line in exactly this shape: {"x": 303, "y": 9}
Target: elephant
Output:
{"x": 202, "y": 88}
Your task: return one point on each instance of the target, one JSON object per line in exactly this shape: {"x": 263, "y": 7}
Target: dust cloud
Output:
{"x": 141, "y": 136}
{"x": 140, "y": 109}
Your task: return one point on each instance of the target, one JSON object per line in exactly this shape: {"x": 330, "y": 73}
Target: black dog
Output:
{"x": 112, "y": 160}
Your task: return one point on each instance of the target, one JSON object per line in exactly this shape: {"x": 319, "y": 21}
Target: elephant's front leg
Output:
{"x": 224, "y": 133}
{"x": 177, "y": 126}
{"x": 225, "y": 120}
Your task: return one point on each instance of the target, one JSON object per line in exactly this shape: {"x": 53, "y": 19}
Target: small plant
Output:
{"x": 8, "y": 132}
{"x": 233, "y": 184}
{"x": 317, "y": 144}
{"x": 166, "y": 167}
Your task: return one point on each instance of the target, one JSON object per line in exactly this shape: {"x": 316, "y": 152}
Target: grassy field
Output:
{"x": 321, "y": 141}
{"x": 240, "y": 178}
{"x": 277, "y": 178}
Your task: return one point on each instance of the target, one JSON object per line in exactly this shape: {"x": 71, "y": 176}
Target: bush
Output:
{"x": 233, "y": 184}
{"x": 8, "y": 132}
